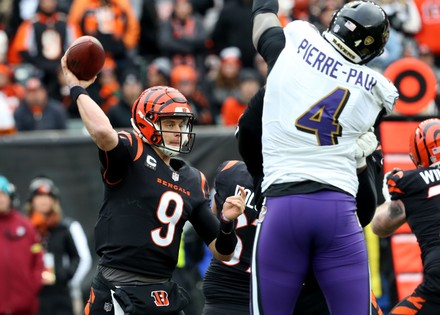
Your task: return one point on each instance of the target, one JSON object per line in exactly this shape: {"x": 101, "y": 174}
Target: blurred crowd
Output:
{"x": 201, "y": 47}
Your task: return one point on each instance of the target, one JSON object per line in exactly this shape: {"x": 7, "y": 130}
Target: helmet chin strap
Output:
{"x": 167, "y": 151}
{"x": 137, "y": 131}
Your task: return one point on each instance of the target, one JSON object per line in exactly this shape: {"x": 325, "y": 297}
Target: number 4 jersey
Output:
{"x": 316, "y": 105}
{"x": 146, "y": 204}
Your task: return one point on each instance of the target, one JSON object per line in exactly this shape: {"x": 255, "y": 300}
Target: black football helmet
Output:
{"x": 359, "y": 31}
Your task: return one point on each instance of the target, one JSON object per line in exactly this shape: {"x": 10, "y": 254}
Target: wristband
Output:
{"x": 76, "y": 91}
{"x": 226, "y": 240}
{"x": 224, "y": 219}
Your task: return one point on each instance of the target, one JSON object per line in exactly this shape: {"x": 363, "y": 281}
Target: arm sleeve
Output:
{"x": 205, "y": 223}
{"x": 249, "y": 134}
{"x": 114, "y": 163}
{"x": 366, "y": 197}
{"x": 264, "y": 6}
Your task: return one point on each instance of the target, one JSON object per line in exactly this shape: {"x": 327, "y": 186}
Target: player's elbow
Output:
{"x": 379, "y": 229}
{"x": 224, "y": 256}
{"x": 263, "y": 22}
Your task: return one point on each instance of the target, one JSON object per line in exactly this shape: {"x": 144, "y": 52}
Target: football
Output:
{"x": 85, "y": 57}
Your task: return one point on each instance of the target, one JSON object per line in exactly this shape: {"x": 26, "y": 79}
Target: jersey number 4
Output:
{"x": 321, "y": 119}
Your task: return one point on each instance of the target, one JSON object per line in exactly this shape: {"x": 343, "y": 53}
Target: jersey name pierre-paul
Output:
{"x": 333, "y": 68}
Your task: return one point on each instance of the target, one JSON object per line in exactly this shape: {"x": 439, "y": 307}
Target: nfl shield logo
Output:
{"x": 108, "y": 307}
{"x": 175, "y": 176}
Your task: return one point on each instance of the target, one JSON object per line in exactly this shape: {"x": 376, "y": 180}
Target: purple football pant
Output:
{"x": 318, "y": 231}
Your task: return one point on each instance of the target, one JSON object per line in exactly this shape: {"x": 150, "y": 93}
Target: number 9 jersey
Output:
{"x": 146, "y": 205}
{"x": 316, "y": 105}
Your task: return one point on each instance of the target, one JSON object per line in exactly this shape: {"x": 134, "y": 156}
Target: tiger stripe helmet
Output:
{"x": 424, "y": 146}
{"x": 158, "y": 102}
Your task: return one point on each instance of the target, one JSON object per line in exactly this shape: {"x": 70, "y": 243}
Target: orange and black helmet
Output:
{"x": 158, "y": 102}
{"x": 424, "y": 143}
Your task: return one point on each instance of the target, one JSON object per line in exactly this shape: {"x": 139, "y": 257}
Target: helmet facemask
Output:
{"x": 186, "y": 139}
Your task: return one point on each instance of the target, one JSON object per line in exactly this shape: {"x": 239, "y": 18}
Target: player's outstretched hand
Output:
{"x": 234, "y": 205}
{"x": 71, "y": 79}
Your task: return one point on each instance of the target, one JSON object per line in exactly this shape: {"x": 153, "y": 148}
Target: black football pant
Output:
{"x": 100, "y": 300}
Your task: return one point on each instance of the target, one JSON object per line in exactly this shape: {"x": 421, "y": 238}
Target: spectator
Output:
{"x": 412, "y": 196}
{"x": 120, "y": 115}
{"x": 184, "y": 78}
{"x": 233, "y": 29}
{"x": 85, "y": 264}
{"x": 4, "y": 41}
{"x": 10, "y": 95}
{"x": 42, "y": 41}
{"x": 21, "y": 10}
{"x": 426, "y": 55}
{"x": 7, "y": 122}
{"x": 233, "y": 107}
{"x": 37, "y": 111}
{"x": 21, "y": 260}
{"x": 323, "y": 13}
{"x": 226, "y": 82}
{"x": 61, "y": 258}
{"x": 164, "y": 191}
{"x": 148, "y": 45}
{"x": 405, "y": 24}
{"x": 113, "y": 22}
{"x": 158, "y": 72}
{"x": 108, "y": 87}
{"x": 182, "y": 37}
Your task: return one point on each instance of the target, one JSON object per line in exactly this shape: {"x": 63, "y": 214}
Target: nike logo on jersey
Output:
{"x": 151, "y": 162}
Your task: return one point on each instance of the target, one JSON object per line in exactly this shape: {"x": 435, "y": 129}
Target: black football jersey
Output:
{"x": 146, "y": 204}
{"x": 419, "y": 190}
{"x": 228, "y": 282}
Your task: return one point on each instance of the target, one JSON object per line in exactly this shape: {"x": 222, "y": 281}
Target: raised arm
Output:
{"x": 264, "y": 17}
{"x": 95, "y": 120}
{"x": 224, "y": 245}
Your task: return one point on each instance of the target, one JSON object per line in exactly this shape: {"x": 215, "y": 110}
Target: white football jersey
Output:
{"x": 316, "y": 105}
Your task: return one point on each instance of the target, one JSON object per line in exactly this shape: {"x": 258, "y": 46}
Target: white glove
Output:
{"x": 385, "y": 191}
{"x": 365, "y": 145}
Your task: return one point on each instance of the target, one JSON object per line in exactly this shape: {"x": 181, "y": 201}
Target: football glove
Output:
{"x": 365, "y": 145}
{"x": 385, "y": 191}
{"x": 385, "y": 188}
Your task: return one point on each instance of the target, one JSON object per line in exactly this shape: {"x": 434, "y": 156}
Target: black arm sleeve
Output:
{"x": 366, "y": 197}
{"x": 226, "y": 238}
{"x": 264, "y": 6}
{"x": 249, "y": 134}
{"x": 249, "y": 142}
